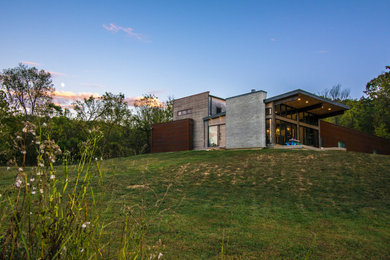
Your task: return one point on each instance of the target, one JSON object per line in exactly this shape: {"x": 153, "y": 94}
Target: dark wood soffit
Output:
{"x": 285, "y": 100}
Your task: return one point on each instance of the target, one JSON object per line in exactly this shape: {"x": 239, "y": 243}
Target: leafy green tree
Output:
{"x": 378, "y": 92}
{"x": 149, "y": 111}
{"x": 359, "y": 116}
{"x": 27, "y": 89}
{"x": 116, "y": 112}
{"x": 89, "y": 109}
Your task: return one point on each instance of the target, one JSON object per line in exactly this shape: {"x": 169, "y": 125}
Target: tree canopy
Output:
{"x": 378, "y": 92}
{"x": 26, "y": 89}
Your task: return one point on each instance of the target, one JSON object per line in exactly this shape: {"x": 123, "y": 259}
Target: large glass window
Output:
{"x": 291, "y": 113}
{"x": 268, "y": 130}
{"x": 308, "y": 136}
{"x": 213, "y": 136}
{"x": 308, "y": 118}
{"x": 286, "y": 111}
{"x": 285, "y": 131}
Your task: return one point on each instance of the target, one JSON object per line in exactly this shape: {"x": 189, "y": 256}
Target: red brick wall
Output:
{"x": 172, "y": 136}
{"x": 354, "y": 140}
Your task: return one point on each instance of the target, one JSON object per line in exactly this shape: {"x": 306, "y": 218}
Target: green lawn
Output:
{"x": 253, "y": 203}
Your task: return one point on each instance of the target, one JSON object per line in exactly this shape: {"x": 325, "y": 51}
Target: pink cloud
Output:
{"x": 66, "y": 98}
{"x": 69, "y": 95}
{"x": 31, "y": 63}
{"x": 129, "y": 31}
{"x": 153, "y": 102}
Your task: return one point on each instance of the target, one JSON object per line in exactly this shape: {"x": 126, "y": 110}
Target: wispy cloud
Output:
{"x": 66, "y": 98}
{"x": 69, "y": 95}
{"x": 128, "y": 30}
{"x": 31, "y": 63}
{"x": 323, "y": 51}
{"x": 273, "y": 39}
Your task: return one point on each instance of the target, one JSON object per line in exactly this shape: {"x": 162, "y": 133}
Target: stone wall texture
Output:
{"x": 245, "y": 120}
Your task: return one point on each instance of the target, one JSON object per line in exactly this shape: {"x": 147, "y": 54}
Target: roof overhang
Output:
{"x": 304, "y": 101}
{"x": 214, "y": 116}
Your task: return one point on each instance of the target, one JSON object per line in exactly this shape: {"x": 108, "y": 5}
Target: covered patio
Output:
{"x": 296, "y": 116}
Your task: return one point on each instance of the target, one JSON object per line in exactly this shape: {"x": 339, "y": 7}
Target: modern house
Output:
{"x": 252, "y": 120}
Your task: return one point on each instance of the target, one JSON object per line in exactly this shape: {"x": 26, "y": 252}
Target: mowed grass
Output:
{"x": 250, "y": 204}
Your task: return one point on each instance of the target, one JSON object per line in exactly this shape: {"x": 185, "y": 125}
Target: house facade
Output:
{"x": 251, "y": 120}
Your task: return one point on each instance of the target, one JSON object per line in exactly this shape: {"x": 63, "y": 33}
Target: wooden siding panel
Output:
{"x": 354, "y": 140}
{"x": 172, "y": 136}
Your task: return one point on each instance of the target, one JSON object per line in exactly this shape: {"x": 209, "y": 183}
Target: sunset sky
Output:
{"x": 180, "y": 48}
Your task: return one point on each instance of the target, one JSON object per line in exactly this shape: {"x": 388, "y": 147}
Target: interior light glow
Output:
{"x": 329, "y": 108}
{"x": 306, "y": 101}
{"x": 299, "y": 99}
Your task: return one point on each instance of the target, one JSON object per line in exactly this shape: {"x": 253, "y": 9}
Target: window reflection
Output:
{"x": 213, "y": 136}
{"x": 285, "y": 131}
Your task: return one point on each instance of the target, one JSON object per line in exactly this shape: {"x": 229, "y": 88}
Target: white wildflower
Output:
{"x": 96, "y": 159}
{"x": 33, "y": 192}
{"x": 32, "y": 179}
{"x": 85, "y": 224}
{"x": 41, "y": 165}
{"x": 1, "y": 195}
{"x": 8, "y": 168}
{"x": 44, "y": 124}
{"x": 30, "y": 213}
{"x": 52, "y": 177}
{"x": 25, "y": 130}
{"x": 23, "y": 152}
{"x": 18, "y": 182}
{"x": 20, "y": 169}
{"x": 34, "y": 188}
{"x": 39, "y": 173}
{"x": 19, "y": 137}
{"x": 37, "y": 142}
{"x": 82, "y": 250}
{"x": 159, "y": 255}
{"x": 41, "y": 191}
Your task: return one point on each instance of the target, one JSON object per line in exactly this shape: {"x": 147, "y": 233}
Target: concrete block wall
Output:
{"x": 245, "y": 120}
{"x": 199, "y": 105}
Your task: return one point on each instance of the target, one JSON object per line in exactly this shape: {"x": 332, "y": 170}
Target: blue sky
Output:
{"x": 179, "y": 48}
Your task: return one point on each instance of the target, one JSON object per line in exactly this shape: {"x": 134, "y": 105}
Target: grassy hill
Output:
{"x": 253, "y": 203}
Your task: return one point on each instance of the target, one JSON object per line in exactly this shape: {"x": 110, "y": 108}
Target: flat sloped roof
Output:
{"x": 309, "y": 102}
